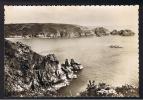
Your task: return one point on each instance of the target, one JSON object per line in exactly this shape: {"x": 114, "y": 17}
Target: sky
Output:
{"x": 126, "y": 16}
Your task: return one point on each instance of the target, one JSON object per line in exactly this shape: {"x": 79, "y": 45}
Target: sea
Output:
{"x": 114, "y": 66}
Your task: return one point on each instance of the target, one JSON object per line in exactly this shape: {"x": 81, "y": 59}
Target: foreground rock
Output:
{"x": 104, "y": 90}
{"x": 30, "y": 74}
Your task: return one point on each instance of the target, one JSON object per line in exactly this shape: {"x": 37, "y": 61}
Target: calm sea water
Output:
{"x": 115, "y": 66}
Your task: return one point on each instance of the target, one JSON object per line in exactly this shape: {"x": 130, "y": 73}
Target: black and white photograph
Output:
{"x": 71, "y": 51}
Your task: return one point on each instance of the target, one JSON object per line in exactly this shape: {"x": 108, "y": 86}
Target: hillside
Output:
{"x": 46, "y": 30}
{"x": 53, "y": 30}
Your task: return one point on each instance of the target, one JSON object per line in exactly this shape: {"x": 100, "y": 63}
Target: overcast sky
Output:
{"x": 81, "y": 15}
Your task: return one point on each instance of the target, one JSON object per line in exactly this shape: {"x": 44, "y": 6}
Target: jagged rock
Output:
{"x": 30, "y": 74}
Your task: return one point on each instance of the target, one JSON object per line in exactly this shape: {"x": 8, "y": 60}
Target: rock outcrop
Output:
{"x": 122, "y": 32}
{"x": 101, "y": 31}
{"x": 30, "y": 74}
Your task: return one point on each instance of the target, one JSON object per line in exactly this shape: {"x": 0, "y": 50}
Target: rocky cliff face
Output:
{"x": 30, "y": 74}
{"x": 51, "y": 30}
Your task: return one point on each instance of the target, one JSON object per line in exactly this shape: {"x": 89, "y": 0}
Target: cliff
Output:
{"x": 50, "y": 30}
{"x": 53, "y": 30}
{"x": 30, "y": 74}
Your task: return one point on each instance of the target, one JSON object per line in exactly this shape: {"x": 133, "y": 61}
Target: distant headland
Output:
{"x": 54, "y": 30}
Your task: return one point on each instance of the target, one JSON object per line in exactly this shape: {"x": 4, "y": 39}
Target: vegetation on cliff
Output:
{"x": 104, "y": 90}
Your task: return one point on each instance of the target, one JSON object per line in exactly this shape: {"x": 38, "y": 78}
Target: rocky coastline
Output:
{"x": 30, "y": 74}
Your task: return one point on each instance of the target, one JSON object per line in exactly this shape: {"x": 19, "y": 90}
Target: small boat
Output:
{"x": 115, "y": 46}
